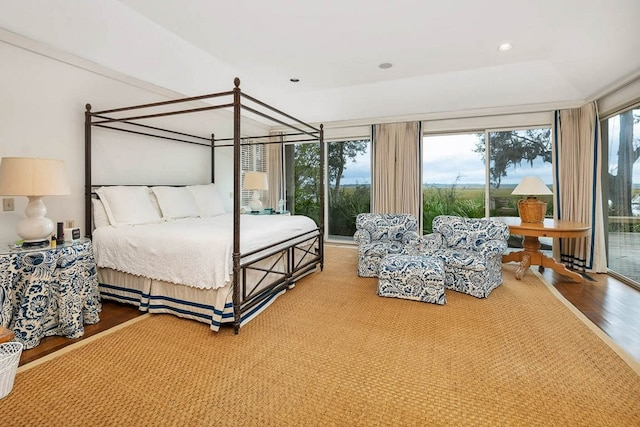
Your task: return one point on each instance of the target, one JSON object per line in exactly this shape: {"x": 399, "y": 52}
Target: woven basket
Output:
{"x": 532, "y": 210}
{"x": 9, "y": 359}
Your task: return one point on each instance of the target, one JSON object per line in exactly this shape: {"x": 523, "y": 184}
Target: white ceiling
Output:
{"x": 444, "y": 53}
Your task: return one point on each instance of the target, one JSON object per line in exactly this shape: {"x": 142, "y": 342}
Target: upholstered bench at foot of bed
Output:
{"x": 414, "y": 277}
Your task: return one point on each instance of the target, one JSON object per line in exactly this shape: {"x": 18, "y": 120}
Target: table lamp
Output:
{"x": 255, "y": 181}
{"x": 34, "y": 178}
{"x": 531, "y": 209}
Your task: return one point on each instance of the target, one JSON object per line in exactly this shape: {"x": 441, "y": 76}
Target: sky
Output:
{"x": 614, "y": 132}
{"x": 446, "y": 158}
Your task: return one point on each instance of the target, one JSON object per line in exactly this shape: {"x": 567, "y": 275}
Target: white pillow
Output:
{"x": 208, "y": 199}
{"x": 128, "y": 205}
{"x": 100, "y": 218}
{"x": 175, "y": 202}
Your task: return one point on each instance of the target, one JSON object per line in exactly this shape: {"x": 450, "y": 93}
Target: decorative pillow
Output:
{"x": 100, "y": 218}
{"x": 128, "y": 205}
{"x": 208, "y": 199}
{"x": 175, "y": 202}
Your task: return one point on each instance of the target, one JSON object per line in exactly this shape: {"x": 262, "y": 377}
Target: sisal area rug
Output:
{"x": 331, "y": 352}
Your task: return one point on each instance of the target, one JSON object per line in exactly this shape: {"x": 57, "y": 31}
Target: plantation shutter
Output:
{"x": 252, "y": 158}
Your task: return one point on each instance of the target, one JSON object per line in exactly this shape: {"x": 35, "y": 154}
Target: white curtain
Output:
{"x": 577, "y": 163}
{"x": 274, "y": 170}
{"x": 396, "y": 168}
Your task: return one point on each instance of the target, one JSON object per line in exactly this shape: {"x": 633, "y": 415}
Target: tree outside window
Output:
{"x": 455, "y": 176}
{"x": 348, "y": 191}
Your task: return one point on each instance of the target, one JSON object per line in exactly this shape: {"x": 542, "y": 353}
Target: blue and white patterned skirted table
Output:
{"x": 414, "y": 277}
{"x": 48, "y": 291}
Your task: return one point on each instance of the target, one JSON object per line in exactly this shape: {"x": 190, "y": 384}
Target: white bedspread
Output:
{"x": 192, "y": 251}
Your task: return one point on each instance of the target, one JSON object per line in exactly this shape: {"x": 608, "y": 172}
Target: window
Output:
{"x": 349, "y": 189}
{"x": 252, "y": 158}
{"x": 348, "y": 165}
{"x": 302, "y": 179}
{"x": 621, "y": 136}
{"x": 456, "y": 180}
{"x": 453, "y": 177}
{"x": 516, "y": 154}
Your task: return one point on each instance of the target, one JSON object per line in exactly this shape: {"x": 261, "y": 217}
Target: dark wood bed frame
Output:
{"x": 243, "y": 299}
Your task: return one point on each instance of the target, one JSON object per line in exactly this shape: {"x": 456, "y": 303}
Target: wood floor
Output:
{"x": 112, "y": 314}
{"x": 610, "y": 304}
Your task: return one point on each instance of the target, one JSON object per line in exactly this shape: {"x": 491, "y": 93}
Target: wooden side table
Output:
{"x": 5, "y": 334}
{"x": 48, "y": 291}
{"x": 531, "y": 253}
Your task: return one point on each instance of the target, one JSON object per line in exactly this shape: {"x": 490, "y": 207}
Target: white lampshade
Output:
{"x": 34, "y": 178}
{"x": 22, "y": 176}
{"x": 255, "y": 181}
{"x": 531, "y": 186}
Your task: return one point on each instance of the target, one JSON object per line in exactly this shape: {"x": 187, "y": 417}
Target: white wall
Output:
{"x": 42, "y": 104}
{"x": 42, "y": 98}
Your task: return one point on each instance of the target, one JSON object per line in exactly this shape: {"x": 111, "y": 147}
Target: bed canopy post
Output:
{"x": 87, "y": 170}
{"x": 236, "y": 205}
{"x": 296, "y": 254}
{"x": 213, "y": 158}
{"x": 321, "y": 216}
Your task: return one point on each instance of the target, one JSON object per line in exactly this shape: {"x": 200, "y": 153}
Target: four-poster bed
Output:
{"x": 260, "y": 269}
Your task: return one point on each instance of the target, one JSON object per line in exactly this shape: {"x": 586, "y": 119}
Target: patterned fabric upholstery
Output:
{"x": 471, "y": 249}
{"x": 47, "y": 292}
{"x": 418, "y": 278}
{"x": 378, "y": 235}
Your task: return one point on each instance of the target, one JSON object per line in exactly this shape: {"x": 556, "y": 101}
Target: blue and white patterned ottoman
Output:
{"x": 414, "y": 277}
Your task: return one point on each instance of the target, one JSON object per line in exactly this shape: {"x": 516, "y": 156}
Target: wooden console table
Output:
{"x": 531, "y": 253}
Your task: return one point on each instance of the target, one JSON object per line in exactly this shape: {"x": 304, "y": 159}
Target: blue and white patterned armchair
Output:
{"x": 378, "y": 235}
{"x": 471, "y": 249}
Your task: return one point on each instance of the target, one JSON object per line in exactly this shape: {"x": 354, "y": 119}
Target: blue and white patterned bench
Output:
{"x": 413, "y": 277}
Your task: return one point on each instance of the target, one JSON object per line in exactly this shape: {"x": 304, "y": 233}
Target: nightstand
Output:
{"x": 48, "y": 291}
{"x": 285, "y": 213}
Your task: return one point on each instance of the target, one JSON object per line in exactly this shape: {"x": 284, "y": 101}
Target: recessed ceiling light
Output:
{"x": 505, "y": 46}
{"x": 294, "y": 80}
{"x": 385, "y": 65}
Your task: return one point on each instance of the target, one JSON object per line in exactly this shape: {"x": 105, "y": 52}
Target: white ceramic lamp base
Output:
{"x": 35, "y": 229}
{"x": 255, "y": 204}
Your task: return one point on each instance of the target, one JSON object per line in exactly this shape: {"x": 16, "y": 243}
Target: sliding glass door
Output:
{"x": 516, "y": 154}
{"x": 456, "y": 180}
{"x": 302, "y": 179}
{"x": 453, "y": 176}
{"x": 348, "y": 169}
{"x": 621, "y": 137}
{"x": 349, "y": 186}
